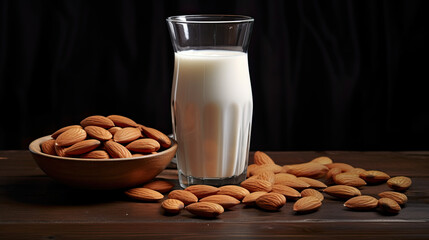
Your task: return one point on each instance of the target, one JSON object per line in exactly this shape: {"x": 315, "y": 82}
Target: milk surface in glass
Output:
{"x": 212, "y": 112}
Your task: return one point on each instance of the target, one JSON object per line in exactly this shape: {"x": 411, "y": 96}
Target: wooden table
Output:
{"x": 33, "y": 206}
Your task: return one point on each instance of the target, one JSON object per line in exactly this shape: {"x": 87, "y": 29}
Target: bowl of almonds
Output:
{"x": 104, "y": 152}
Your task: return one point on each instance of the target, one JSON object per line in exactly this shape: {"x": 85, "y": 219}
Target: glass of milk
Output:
{"x": 211, "y": 99}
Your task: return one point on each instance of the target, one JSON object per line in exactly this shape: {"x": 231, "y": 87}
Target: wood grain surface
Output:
{"x": 33, "y": 206}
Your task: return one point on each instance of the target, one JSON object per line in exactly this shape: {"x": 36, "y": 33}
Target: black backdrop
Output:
{"x": 326, "y": 75}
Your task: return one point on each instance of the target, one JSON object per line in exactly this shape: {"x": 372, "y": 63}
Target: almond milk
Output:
{"x": 212, "y": 112}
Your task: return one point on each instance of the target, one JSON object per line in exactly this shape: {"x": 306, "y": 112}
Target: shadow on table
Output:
{"x": 41, "y": 190}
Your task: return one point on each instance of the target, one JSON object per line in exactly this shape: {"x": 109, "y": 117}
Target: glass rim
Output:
{"x": 210, "y": 18}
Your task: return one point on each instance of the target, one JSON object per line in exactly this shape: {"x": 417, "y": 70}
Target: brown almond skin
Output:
{"x": 122, "y": 121}
{"x": 172, "y": 206}
{"x": 309, "y": 192}
{"x": 342, "y": 191}
{"x": 271, "y": 201}
{"x": 127, "y": 135}
{"x": 307, "y": 204}
{"x": 322, "y": 160}
{"x": 144, "y": 145}
{"x": 265, "y": 175}
{"x": 400, "y": 183}
{"x": 202, "y": 191}
{"x": 313, "y": 182}
{"x": 97, "y": 120}
{"x": 82, "y": 147}
{"x": 343, "y": 166}
{"x": 70, "y": 137}
{"x": 265, "y": 167}
{"x": 225, "y": 201}
{"x": 116, "y": 150}
{"x": 400, "y": 198}
{"x": 288, "y": 192}
{"x": 61, "y": 130}
{"x": 61, "y": 151}
{"x": 349, "y": 180}
{"x": 389, "y": 205}
{"x": 260, "y": 158}
{"x": 185, "y": 196}
{"x": 205, "y": 209}
{"x": 234, "y": 191}
{"x": 362, "y": 203}
{"x": 144, "y": 194}
{"x": 374, "y": 176}
{"x": 250, "y": 199}
{"x": 113, "y": 130}
{"x": 160, "y": 186}
{"x": 153, "y": 133}
{"x": 309, "y": 169}
{"x": 256, "y": 185}
{"x": 48, "y": 147}
{"x": 98, "y": 133}
{"x": 96, "y": 154}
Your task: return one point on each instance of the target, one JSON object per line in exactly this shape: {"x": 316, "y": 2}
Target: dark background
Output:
{"x": 326, "y": 75}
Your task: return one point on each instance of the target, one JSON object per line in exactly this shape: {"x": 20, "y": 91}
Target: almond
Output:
{"x": 153, "y": 133}
{"x": 251, "y": 168}
{"x": 310, "y": 169}
{"x": 374, "y": 176}
{"x": 288, "y": 192}
{"x": 82, "y": 147}
{"x": 202, "y": 191}
{"x": 225, "y": 201}
{"x": 173, "y": 206}
{"x": 113, "y": 130}
{"x": 342, "y": 191}
{"x": 332, "y": 172}
{"x": 96, "y": 154}
{"x": 363, "y": 202}
{"x": 185, "y": 196}
{"x": 61, "y": 130}
{"x": 126, "y": 135}
{"x": 205, "y": 209}
{"x": 250, "y": 199}
{"x": 356, "y": 171}
{"x": 313, "y": 193}
{"x": 61, "y": 151}
{"x": 97, "y": 120}
{"x": 294, "y": 183}
{"x": 234, "y": 191}
{"x": 70, "y": 137}
{"x": 322, "y": 160}
{"x": 400, "y": 198}
{"x": 271, "y": 201}
{"x": 261, "y": 158}
{"x": 389, "y": 205}
{"x": 343, "y": 166}
{"x": 48, "y": 147}
{"x": 160, "y": 186}
{"x": 144, "y": 194}
{"x": 265, "y": 175}
{"x": 116, "y": 150}
{"x": 256, "y": 185}
{"x": 144, "y": 145}
{"x": 98, "y": 133}
{"x": 266, "y": 167}
{"x": 122, "y": 121}
{"x": 307, "y": 204}
{"x": 349, "y": 180}
{"x": 279, "y": 177}
{"x": 313, "y": 182}
{"x": 400, "y": 183}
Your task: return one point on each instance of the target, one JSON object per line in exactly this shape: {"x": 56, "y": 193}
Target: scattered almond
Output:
{"x": 349, "y": 180}
{"x": 332, "y": 172}
{"x": 234, "y": 191}
{"x": 266, "y": 167}
{"x": 400, "y": 198}
{"x": 342, "y": 191}
{"x": 343, "y": 166}
{"x": 265, "y": 175}
{"x": 160, "y": 186}
{"x": 400, "y": 183}
{"x": 271, "y": 201}
{"x": 185, "y": 196}
{"x": 173, "y": 206}
{"x": 313, "y": 182}
{"x": 309, "y": 192}
{"x": 250, "y": 199}
{"x": 356, "y": 171}
{"x": 389, "y": 205}
{"x": 205, "y": 209}
{"x": 256, "y": 185}
{"x": 261, "y": 158}
{"x": 288, "y": 192}
{"x": 144, "y": 194}
{"x": 374, "y": 176}
{"x": 225, "y": 201}
{"x": 310, "y": 169}
{"x": 294, "y": 183}
{"x": 322, "y": 160}
{"x": 307, "y": 204}
{"x": 363, "y": 202}
{"x": 202, "y": 191}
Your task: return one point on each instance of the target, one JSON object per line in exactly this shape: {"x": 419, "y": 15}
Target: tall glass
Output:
{"x": 211, "y": 99}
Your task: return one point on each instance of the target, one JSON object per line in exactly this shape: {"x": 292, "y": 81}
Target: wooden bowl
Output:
{"x": 103, "y": 174}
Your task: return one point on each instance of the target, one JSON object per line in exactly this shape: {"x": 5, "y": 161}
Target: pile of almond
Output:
{"x": 100, "y": 137}
{"x": 269, "y": 186}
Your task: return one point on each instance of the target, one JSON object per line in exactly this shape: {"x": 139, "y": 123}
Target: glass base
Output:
{"x": 186, "y": 181}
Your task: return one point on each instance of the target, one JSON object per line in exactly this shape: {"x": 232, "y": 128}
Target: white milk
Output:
{"x": 212, "y": 112}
